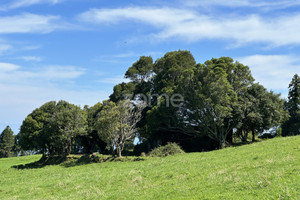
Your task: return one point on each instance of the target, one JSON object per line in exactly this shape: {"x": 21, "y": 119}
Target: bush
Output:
{"x": 169, "y": 149}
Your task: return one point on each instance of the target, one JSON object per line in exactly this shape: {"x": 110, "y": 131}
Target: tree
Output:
{"x": 122, "y": 91}
{"x": 292, "y": 125}
{"x": 32, "y": 135}
{"x": 67, "y": 122}
{"x": 141, "y": 70}
{"x": 7, "y": 140}
{"x": 219, "y": 97}
{"x": 209, "y": 107}
{"x": 91, "y": 142}
{"x": 52, "y": 128}
{"x": 173, "y": 73}
{"x": 116, "y": 123}
{"x": 261, "y": 111}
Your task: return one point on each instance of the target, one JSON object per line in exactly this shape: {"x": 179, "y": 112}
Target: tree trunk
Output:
{"x": 119, "y": 152}
{"x": 253, "y": 135}
{"x": 221, "y": 140}
{"x": 244, "y": 136}
{"x": 229, "y": 137}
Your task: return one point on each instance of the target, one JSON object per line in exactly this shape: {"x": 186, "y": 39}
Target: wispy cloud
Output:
{"x": 29, "y": 23}
{"x": 23, "y": 89}
{"x": 23, "y": 99}
{"x": 30, "y": 48}
{"x": 273, "y": 71}
{"x": 11, "y": 73}
{"x": 193, "y": 26}
{"x": 4, "y": 48}
{"x": 31, "y": 58}
{"x": 5, "y": 67}
{"x": 274, "y": 4}
{"x": 24, "y": 3}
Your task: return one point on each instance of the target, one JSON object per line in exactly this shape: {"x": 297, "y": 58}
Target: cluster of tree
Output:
{"x": 215, "y": 102}
{"x": 220, "y": 99}
{"x": 60, "y": 128}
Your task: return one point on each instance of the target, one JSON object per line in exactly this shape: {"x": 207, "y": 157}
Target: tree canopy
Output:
{"x": 292, "y": 125}
{"x": 171, "y": 99}
{"x": 52, "y": 128}
{"x": 218, "y": 97}
{"x": 7, "y": 141}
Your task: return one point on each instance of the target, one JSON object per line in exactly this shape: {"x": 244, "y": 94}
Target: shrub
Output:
{"x": 169, "y": 149}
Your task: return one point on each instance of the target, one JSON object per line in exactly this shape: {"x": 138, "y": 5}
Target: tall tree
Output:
{"x": 172, "y": 74}
{"x": 292, "y": 125}
{"x": 7, "y": 140}
{"x": 209, "y": 106}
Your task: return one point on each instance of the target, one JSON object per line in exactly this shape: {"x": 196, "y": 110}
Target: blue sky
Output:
{"x": 77, "y": 50}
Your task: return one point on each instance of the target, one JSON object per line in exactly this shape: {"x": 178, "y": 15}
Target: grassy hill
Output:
{"x": 263, "y": 170}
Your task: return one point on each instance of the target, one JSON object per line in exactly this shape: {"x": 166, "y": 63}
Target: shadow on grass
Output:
{"x": 88, "y": 159}
{"x": 44, "y": 161}
{"x": 243, "y": 143}
{"x": 74, "y": 160}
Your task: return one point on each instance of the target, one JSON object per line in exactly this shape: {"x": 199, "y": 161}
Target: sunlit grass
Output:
{"x": 264, "y": 170}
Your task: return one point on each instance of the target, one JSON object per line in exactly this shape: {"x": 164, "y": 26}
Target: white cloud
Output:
{"x": 29, "y": 23}
{"x": 23, "y": 90}
{"x": 17, "y": 101}
{"x": 31, "y": 58}
{"x": 30, "y": 48}
{"x": 275, "y": 4}
{"x": 192, "y": 26}
{"x": 25, "y": 3}
{"x": 7, "y": 67}
{"x": 272, "y": 71}
{"x": 10, "y": 73}
{"x": 4, "y": 48}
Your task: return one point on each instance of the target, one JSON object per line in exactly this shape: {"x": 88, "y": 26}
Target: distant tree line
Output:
{"x": 173, "y": 99}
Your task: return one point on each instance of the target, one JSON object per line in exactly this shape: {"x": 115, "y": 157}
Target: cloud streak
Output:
{"x": 272, "y": 71}
{"x": 193, "y": 26}
{"x": 275, "y": 4}
{"x": 23, "y": 89}
{"x": 29, "y": 23}
{"x": 4, "y": 48}
{"x": 25, "y": 3}
{"x": 31, "y": 58}
{"x": 12, "y": 74}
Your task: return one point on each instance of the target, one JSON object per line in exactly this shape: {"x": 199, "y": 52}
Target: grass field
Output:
{"x": 264, "y": 170}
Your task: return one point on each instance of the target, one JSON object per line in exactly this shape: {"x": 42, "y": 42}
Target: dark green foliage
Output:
{"x": 218, "y": 101}
{"x": 292, "y": 125}
{"x": 167, "y": 150}
{"x": 141, "y": 70}
{"x": 92, "y": 142}
{"x": 52, "y": 128}
{"x": 261, "y": 111}
{"x": 122, "y": 91}
{"x": 7, "y": 140}
{"x": 219, "y": 97}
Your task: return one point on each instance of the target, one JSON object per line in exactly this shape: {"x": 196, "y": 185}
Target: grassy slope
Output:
{"x": 264, "y": 170}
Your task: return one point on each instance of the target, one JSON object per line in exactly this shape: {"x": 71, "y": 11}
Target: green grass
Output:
{"x": 263, "y": 170}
